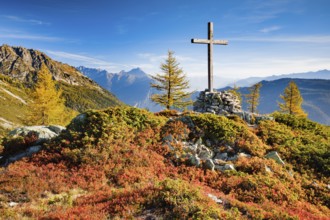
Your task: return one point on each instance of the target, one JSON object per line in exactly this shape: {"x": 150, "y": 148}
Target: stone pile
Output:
{"x": 221, "y": 103}
{"x": 199, "y": 155}
{"x": 225, "y": 103}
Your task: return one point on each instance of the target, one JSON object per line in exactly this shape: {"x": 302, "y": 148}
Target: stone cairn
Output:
{"x": 225, "y": 103}
{"x": 220, "y": 103}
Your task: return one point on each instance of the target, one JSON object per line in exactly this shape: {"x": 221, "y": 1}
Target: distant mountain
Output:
{"x": 321, "y": 74}
{"x": 19, "y": 71}
{"x": 315, "y": 92}
{"x": 132, "y": 87}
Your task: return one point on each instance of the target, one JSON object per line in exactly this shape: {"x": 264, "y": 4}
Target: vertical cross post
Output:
{"x": 210, "y": 43}
{"x": 210, "y": 56}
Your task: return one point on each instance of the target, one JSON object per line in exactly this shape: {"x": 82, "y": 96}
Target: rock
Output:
{"x": 209, "y": 165}
{"x": 27, "y": 153}
{"x": 12, "y": 204}
{"x": 221, "y": 156}
{"x": 56, "y": 128}
{"x": 215, "y": 102}
{"x": 267, "y": 169}
{"x": 225, "y": 167}
{"x": 243, "y": 155}
{"x": 274, "y": 155}
{"x": 194, "y": 160}
{"x": 214, "y": 198}
{"x": 204, "y": 153}
{"x": 229, "y": 167}
{"x": 233, "y": 158}
{"x": 43, "y": 133}
{"x": 219, "y": 162}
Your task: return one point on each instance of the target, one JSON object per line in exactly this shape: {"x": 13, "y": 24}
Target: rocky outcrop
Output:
{"x": 42, "y": 133}
{"x": 37, "y": 135}
{"x": 199, "y": 155}
{"x": 23, "y": 64}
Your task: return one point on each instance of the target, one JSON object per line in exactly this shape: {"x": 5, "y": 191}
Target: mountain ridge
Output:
{"x": 320, "y": 74}
{"x": 19, "y": 72}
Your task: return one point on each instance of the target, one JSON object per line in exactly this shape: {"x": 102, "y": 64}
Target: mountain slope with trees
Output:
{"x": 18, "y": 74}
{"x": 315, "y": 93}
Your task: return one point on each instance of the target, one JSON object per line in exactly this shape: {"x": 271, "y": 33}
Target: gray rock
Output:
{"x": 214, "y": 198}
{"x": 27, "y": 153}
{"x": 204, "y": 153}
{"x": 209, "y": 164}
{"x": 224, "y": 167}
{"x": 274, "y": 155}
{"x": 221, "y": 156}
{"x": 229, "y": 167}
{"x": 219, "y": 162}
{"x": 194, "y": 160}
{"x": 44, "y": 133}
{"x": 56, "y": 128}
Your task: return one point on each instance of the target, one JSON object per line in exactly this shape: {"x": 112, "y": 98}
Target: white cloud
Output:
{"x": 270, "y": 29}
{"x": 24, "y": 20}
{"x": 319, "y": 39}
{"x": 82, "y": 60}
{"x": 31, "y": 37}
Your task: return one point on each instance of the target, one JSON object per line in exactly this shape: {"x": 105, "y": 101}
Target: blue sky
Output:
{"x": 265, "y": 37}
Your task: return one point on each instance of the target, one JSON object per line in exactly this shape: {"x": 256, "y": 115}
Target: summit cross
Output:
{"x": 210, "y": 43}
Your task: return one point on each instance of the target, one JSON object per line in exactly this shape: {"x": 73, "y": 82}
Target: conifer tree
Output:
{"x": 48, "y": 105}
{"x": 172, "y": 83}
{"x": 292, "y": 101}
{"x": 252, "y": 98}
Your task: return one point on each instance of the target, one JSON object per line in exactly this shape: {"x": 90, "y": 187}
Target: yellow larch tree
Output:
{"x": 292, "y": 101}
{"x": 48, "y": 105}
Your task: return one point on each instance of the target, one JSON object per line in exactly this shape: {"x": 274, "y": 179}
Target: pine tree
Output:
{"x": 292, "y": 101}
{"x": 48, "y": 105}
{"x": 172, "y": 82}
{"x": 252, "y": 98}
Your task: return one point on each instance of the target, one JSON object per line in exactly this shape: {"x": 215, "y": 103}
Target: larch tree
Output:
{"x": 252, "y": 98}
{"x": 172, "y": 84}
{"x": 292, "y": 101}
{"x": 48, "y": 105}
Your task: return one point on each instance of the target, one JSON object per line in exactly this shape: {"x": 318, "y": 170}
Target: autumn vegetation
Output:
{"x": 113, "y": 164}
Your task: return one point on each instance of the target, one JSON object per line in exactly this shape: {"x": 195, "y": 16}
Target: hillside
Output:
{"x": 18, "y": 73}
{"x": 132, "y": 87}
{"x": 127, "y": 163}
{"x": 315, "y": 92}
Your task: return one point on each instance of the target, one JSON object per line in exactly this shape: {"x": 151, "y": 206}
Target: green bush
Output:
{"x": 178, "y": 200}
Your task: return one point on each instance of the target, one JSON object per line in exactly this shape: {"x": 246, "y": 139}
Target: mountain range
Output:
{"x": 18, "y": 73}
{"x": 131, "y": 87}
{"x": 315, "y": 92}
{"x": 321, "y": 74}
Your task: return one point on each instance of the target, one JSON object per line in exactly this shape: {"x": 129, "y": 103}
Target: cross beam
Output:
{"x": 210, "y": 41}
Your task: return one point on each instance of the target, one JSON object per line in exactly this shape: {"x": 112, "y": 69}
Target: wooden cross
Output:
{"x": 210, "y": 43}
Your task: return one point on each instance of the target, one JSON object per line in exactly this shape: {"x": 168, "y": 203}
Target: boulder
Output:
{"x": 214, "y": 198}
{"x": 224, "y": 167}
{"x": 194, "y": 160}
{"x": 209, "y": 165}
{"x": 274, "y": 155}
{"x": 204, "y": 153}
{"x": 43, "y": 133}
{"x": 221, "y": 156}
